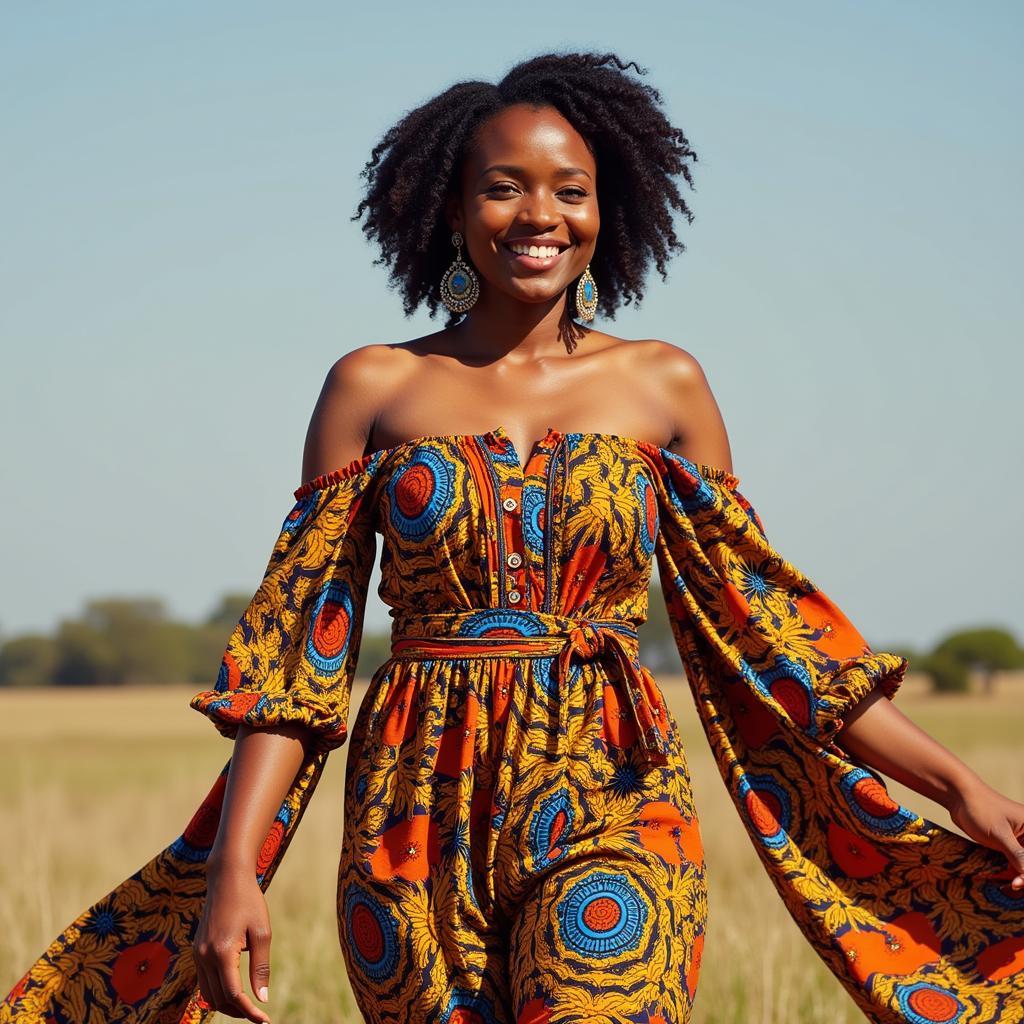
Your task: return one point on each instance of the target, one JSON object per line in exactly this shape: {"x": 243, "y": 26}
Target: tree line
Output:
{"x": 132, "y": 641}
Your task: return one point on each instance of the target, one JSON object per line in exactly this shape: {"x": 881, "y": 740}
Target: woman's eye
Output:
{"x": 504, "y": 188}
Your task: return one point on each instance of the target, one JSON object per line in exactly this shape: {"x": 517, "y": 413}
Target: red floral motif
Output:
{"x": 662, "y": 829}
{"x": 201, "y": 831}
{"x": 765, "y": 811}
{"x": 855, "y": 855}
{"x": 839, "y": 637}
{"x": 407, "y": 849}
{"x": 756, "y": 724}
{"x": 906, "y": 944}
{"x": 270, "y": 847}
{"x": 874, "y": 798}
{"x": 1002, "y": 959}
{"x": 793, "y": 697}
{"x": 140, "y": 969}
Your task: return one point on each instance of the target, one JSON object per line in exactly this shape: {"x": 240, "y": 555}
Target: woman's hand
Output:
{"x": 993, "y": 820}
{"x": 234, "y": 918}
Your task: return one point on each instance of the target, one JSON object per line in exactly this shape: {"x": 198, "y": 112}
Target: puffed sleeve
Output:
{"x": 293, "y": 653}
{"x": 916, "y": 921}
{"x": 291, "y": 657}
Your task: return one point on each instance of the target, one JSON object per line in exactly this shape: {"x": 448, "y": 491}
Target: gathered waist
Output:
{"x": 506, "y": 633}
{"x": 510, "y": 633}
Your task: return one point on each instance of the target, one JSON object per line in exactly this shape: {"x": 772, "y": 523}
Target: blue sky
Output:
{"x": 179, "y": 272}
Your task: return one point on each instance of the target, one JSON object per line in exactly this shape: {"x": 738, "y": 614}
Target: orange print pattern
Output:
{"x": 520, "y": 843}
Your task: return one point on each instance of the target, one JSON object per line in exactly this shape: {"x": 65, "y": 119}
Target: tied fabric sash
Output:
{"x": 510, "y": 633}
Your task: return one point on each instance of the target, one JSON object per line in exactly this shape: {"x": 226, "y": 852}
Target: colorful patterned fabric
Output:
{"x": 520, "y": 843}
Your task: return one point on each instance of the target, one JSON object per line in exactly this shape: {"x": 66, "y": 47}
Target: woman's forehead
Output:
{"x": 520, "y": 134}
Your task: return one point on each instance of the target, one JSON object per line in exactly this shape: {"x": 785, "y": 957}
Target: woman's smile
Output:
{"x": 532, "y": 255}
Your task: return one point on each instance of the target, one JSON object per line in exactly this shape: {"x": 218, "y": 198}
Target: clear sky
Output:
{"x": 178, "y": 272}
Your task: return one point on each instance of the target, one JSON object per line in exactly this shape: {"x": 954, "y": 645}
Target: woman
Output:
{"x": 520, "y": 838}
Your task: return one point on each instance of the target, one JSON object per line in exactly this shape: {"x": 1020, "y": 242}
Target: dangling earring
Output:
{"x": 586, "y": 295}
{"x": 460, "y": 287}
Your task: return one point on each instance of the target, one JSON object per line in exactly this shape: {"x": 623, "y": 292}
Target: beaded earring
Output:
{"x": 460, "y": 287}
{"x": 586, "y": 295}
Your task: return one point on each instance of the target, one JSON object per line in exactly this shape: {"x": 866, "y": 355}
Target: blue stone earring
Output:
{"x": 460, "y": 287}
{"x": 586, "y": 295}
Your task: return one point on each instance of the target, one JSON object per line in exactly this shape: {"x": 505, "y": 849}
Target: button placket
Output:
{"x": 510, "y": 476}
{"x": 515, "y": 588}
{"x": 514, "y": 557}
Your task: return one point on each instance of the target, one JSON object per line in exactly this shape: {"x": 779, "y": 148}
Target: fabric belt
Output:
{"x": 511, "y": 633}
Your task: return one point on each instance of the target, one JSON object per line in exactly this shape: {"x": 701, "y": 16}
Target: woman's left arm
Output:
{"x": 877, "y": 732}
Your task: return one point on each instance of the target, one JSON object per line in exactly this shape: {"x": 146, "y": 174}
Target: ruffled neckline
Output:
{"x": 360, "y": 463}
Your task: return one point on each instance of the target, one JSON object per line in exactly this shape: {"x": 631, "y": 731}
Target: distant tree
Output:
{"x": 121, "y": 641}
{"x": 28, "y": 660}
{"x": 983, "y": 651}
{"x": 947, "y": 674}
{"x": 85, "y": 657}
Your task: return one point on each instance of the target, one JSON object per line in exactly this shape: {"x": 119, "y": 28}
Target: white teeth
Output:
{"x": 541, "y": 251}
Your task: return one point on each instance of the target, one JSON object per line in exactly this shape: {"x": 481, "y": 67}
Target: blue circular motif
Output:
{"x": 905, "y": 998}
{"x": 479, "y": 1006}
{"x": 489, "y": 620}
{"x": 994, "y": 894}
{"x": 545, "y": 669}
{"x": 702, "y": 495}
{"x": 328, "y": 662}
{"x": 555, "y": 810}
{"x": 789, "y": 669}
{"x": 187, "y": 852}
{"x": 429, "y": 491}
{"x": 602, "y": 915}
{"x": 754, "y": 783}
{"x": 890, "y": 823}
{"x": 459, "y": 283}
{"x": 533, "y": 505}
{"x": 372, "y": 933}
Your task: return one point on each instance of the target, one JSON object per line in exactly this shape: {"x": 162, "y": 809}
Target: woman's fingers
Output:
{"x": 229, "y": 977}
{"x": 259, "y": 961}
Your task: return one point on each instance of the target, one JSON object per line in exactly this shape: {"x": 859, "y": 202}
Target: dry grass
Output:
{"x": 101, "y": 779}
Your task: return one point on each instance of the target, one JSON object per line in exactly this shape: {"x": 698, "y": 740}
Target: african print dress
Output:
{"x": 520, "y": 844}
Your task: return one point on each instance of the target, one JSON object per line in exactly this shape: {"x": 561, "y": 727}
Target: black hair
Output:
{"x": 416, "y": 165}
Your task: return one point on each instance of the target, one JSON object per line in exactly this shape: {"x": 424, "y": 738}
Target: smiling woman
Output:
{"x": 478, "y": 156}
{"x": 521, "y": 844}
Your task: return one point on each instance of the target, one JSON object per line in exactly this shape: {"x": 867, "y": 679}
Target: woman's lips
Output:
{"x": 534, "y": 262}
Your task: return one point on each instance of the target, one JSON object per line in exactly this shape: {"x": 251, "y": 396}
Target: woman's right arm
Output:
{"x": 263, "y": 765}
{"x": 266, "y": 760}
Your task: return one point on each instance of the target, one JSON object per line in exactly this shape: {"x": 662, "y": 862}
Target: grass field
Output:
{"x": 99, "y": 780}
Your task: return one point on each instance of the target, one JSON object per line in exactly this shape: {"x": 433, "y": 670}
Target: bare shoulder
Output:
{"x": 678, "y": 366}
{"x": 355, "y": 387}
{"x": 698, "y": 429}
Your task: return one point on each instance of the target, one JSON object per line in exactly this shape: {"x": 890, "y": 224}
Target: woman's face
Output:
{"x": 529, "y": 177}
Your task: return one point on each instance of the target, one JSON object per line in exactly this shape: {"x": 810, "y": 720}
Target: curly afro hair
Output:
{"x": 416, "y": 165}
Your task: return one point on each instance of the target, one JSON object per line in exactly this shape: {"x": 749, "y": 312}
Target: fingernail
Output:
{"x": 262, "y": 993}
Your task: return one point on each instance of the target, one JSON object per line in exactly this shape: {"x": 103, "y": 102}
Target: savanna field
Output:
{"x": 96, "y": 781}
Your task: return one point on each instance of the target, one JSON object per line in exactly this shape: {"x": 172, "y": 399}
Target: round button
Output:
{"x": 509, "y": 504}
{"x": 514, "y": 596}
{"x": 514, "y": 560}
